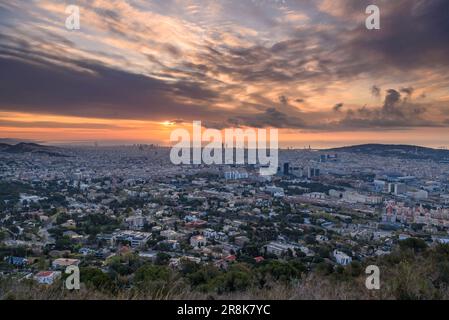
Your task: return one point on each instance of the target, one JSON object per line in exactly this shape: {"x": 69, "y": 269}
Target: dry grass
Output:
{"x": 311, "y": 288}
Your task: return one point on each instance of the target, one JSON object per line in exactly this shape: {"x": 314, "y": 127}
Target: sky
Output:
{"x": 136, "y": 70}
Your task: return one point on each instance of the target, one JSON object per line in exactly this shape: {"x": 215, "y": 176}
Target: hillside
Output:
{"x": 413, "y": 271}
{"x": 23, "y": 147}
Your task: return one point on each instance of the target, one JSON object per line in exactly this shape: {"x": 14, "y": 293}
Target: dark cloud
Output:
{"x": 395, "y": 113}
{"x": 57, "y": 125}
{"x": 392, "y": 99}
{"x": 407, "y": 90}
{"x": 177, "y": 121}
{"x": 112, "y": 15}
{"x": 102, "y": 92}
{"x": 413, "y": 35}
{"x": 375, "y": 91}
{"x": 338, "y": 107}
{"x": 271, "y": 117}
{"x": 283, "y": 100}
{"x": 172, "y": 50}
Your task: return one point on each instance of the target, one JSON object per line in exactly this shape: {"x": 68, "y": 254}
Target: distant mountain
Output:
{"x": 4, "y": 146}
{"x": 24, "y": 147}
{"x": 397, "y": 150}
{"x": 11, "y": 141}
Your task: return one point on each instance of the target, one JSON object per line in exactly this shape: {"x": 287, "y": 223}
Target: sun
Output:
{"x": 167, "y": 123}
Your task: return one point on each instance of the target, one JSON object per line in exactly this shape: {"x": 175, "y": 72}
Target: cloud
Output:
{"x": 375, "y": 91}
{"x": 407, "y": 90}
{"x": 101, "y": 93}
{"x": 338, "y": 107}
{"x": 58, "y": 125}
{"x": 392, "y": 99}
{"x": 228, "y": 63}
{"x": 271, "y": 117}
{"x": 396, "y": 112}
{"x": 413, "y": 36}
{"x": 283, "y": 100}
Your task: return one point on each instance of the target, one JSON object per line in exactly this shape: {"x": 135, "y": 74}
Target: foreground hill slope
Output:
{"x": 412, "y": 271}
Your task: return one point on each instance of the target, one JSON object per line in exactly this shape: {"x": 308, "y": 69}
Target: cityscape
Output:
{"x": 132, "y": 221}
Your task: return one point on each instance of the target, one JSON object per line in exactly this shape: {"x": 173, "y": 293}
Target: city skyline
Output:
{"x": 138, "y": 69}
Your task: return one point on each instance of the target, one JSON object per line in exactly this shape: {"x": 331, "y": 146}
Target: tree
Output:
{"x": 324, "y": 268}
{"x": 251, "y": 250}
{"x": 162, "y": 258}
{"x": 279, "y": 270}
{"x": 97, "y": 279}
{"x": 63, "y": 243}
{"x": 415, "y": 244}
{"x": 153, "y": 279}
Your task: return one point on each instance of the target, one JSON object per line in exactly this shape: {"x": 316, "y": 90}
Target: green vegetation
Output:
{"x": 412, "y": 271}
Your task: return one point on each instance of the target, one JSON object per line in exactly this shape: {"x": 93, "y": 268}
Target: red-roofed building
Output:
{"x": 196, "y": 224}
{"x": 63, "y": 263}
{"x": 47, "y": 277}
{"x": 124, "y": 250}
{"x": 198, "y": 241}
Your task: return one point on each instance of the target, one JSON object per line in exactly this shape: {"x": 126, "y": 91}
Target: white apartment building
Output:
{"x": 342, "y": 258}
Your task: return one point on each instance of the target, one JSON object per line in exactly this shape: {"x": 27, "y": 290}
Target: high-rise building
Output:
{"x": 313, "y": 172}
{"x": 235, "y": 175}
{"x": 397, "y": 188}
{"x": 390, "y": 187}
{"x": 286, "y": 168}
{"x": 400, "y": 188}
{"x": 297, "y": 171}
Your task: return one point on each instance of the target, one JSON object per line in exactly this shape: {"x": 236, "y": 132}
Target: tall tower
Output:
{"x": 286, "y": 168}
